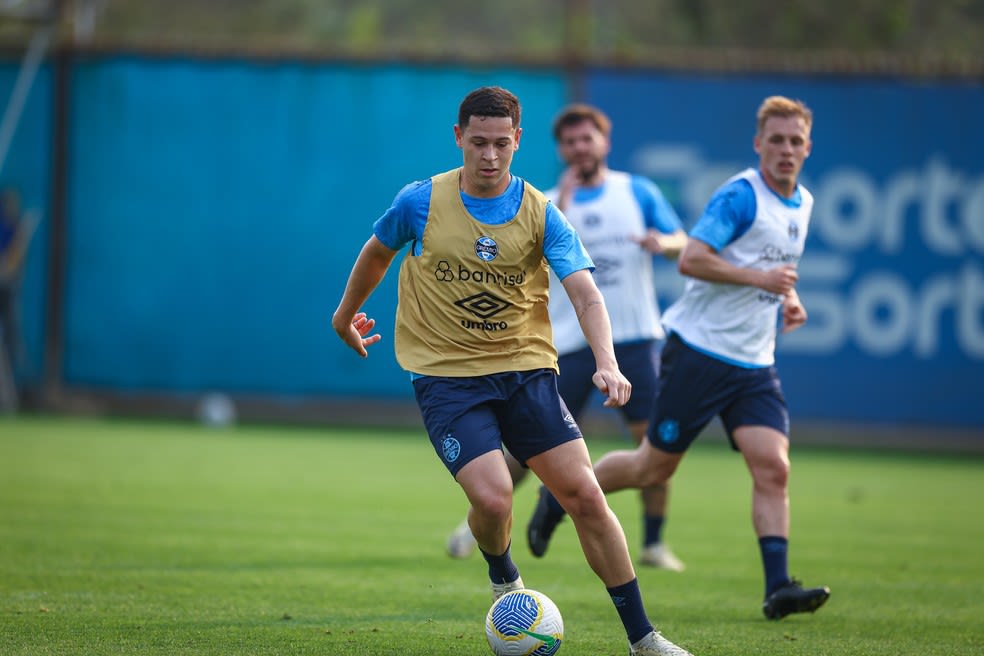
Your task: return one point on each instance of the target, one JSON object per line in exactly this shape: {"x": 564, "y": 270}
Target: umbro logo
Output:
{"x": 483, "y": 304}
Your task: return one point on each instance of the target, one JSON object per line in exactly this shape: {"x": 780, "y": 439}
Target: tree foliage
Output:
{"x": 596, "y": 31}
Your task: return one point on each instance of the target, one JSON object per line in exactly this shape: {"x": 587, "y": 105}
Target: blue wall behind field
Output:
{"x": 214, "y": 208}
{"x": 893, "y": 275}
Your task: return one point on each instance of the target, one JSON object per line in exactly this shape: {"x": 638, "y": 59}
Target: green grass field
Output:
{"x": 120, "y": 537}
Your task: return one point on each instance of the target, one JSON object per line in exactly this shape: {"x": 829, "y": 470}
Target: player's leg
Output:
{"x": 566, "y": 471}
{"x": 561, "y": 460}
{"x": 575, "y": 387}
{"x": 639, "y": 362}
{"x": 758, "y": 425}
{"x": 679, "y": 413}
{"x": 465, "y": 434}
{"x": 644, "y": 468}
{"x": 655, "y": 499}
{"x": 488, "y": 486}
{"x": 461, "y": 543}
{"x": 639, "y": 468}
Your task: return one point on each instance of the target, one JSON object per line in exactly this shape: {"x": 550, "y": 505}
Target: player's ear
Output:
{"x": 458, "y": 134}
{"x": 519, "y": 133}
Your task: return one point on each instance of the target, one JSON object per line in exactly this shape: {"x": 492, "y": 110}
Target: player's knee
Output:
{"x": 651, "y": 478}
{"x": 771, "y": 473}
{"x": 586, "y": 502}
{"x": 654, "y": 468}
{"x": 493, "y": 507}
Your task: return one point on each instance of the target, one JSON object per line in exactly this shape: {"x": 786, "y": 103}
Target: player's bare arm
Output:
{"x": 592, "y": 314}
{"x": 700, "y": 260}
{"x": 351, "y": 325}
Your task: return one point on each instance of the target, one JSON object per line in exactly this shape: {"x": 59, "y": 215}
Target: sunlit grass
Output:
{"x": 121, "y": 537}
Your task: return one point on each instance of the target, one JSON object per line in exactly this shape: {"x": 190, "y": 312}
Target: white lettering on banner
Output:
{"x": 883, "y": 315}
{"x": 851, "y": 214}
{"x": 873, "y": 307}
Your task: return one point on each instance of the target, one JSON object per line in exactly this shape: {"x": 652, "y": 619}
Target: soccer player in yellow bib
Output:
{"x": 624, "y": 221}
{"x": 473, "y": 331}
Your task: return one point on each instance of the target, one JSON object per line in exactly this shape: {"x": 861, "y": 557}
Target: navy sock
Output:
{"x": 653, "y": 529}
{"x": 502, "y": 569}
{"x": 775, "y": 551}
{"x": 555, "y": 510}
{"x": 628, "y": 603}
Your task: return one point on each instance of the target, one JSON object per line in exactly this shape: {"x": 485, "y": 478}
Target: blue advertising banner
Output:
{"x": 215, "y": 209}
{"x": 893, "y": 275}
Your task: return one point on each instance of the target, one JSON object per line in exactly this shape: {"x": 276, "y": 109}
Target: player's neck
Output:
{"x": 784, "y": 188}
{"x": 596, "y": 179}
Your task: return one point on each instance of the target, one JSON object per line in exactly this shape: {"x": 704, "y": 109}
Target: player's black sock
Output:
{"x": 653, "y": 529}
{"x": 628, "y": 603}
{"x": 554, "y": 509}
{"x": 502, "y": 569}
{"x": 774, "y": 559}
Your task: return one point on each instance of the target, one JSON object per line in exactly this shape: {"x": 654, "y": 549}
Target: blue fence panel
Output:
{"x": 27, "y": 170}
{"x": 893, "y": 276}
{"x": 216, "y": 207}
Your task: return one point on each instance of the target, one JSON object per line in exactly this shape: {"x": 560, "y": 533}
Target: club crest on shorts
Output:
{"x": 668, "y": 430}
{"x": 451, "y": 447}
{"x": 486, "y": 249}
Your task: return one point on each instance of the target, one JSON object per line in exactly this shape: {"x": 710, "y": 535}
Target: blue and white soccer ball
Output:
{"x": 524, "y": 623}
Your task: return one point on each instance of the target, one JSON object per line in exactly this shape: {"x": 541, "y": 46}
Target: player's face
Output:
{"x": 487, "y": 145}
{"x": 584, "y": 148}
{"x": 783, "y": 145}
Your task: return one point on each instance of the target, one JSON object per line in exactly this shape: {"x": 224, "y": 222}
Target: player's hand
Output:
{"x": 793, "y": 313}
{"x": 614, "y": 385}
{"x": 568, "y": 183}
{"x": 354, "y": 332}
{"x": 651, "y": 241}
{"x": 780, "y": 280}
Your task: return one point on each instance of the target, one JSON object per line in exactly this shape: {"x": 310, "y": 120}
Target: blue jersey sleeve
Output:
{"x": 405, "y": 219}
{"x": 656, "y": 210}
{"x": 728, "y": 215}
{"x": 562, "y": 246}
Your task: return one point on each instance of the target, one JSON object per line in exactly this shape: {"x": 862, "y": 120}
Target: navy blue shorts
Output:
{"x": 694, "y": 388}
{"x": 466, "y": 417}
{"x": 638, "y": 361}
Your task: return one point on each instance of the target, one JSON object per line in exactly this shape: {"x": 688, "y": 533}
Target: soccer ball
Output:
{"x": 524, "y": 623}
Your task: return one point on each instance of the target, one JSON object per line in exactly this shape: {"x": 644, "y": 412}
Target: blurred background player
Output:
{"x": 473, "y": 330}
{"x": 622, "y": 220}
{"x": 16, "y": 229}
{"x": 720, "y": 356}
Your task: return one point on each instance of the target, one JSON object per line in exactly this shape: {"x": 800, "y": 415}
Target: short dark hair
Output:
{"x": 578, "y": 113}
{"x": 489, "y": 101}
